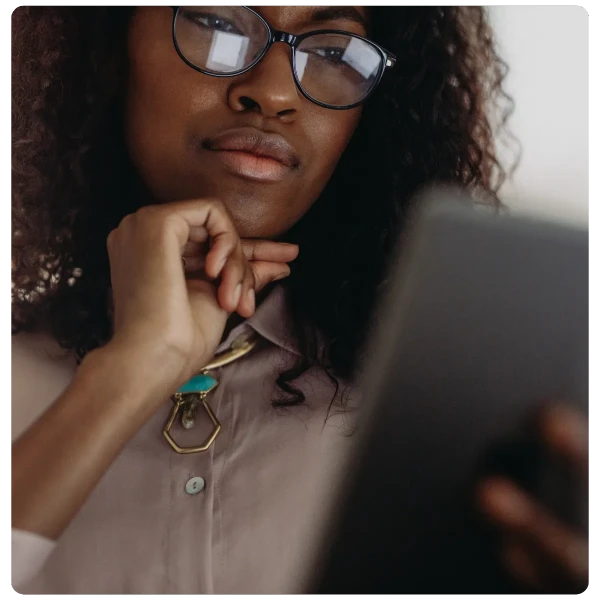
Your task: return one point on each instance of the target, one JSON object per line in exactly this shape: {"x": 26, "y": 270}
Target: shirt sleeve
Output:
{"x": 29, "y": 553}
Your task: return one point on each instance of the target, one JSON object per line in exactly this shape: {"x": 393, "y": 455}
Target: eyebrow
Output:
{"x": 337, "y": 13}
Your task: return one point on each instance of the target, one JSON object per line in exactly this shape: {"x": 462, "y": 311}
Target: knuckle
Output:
{"x": 150, "y": 218}
{"x": 148, "y": 211}
{"x": 157, "y": 222}
{"x": 125, "y": 221}
{"x": 250, "y": 249}
{"x": 243, "y": 264}
{"x": 110, "y": 238}
{"x": 147, "y": 216}
{"x": 216, "y": 204}
{"x": 171, "y": 222}
{"x": 249, "y": 277}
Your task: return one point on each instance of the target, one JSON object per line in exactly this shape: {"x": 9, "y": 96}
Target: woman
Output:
{"x": 162, "y": 133}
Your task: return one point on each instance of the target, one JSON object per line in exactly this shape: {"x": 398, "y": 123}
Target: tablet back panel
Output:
{"x": 487, "y": 317}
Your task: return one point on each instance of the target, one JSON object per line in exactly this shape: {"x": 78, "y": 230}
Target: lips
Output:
{"x": 256, "y": 142}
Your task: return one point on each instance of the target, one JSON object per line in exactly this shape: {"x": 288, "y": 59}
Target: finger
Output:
{"x": 499, "y": 501}
{"x": 198, "y": 235}
{"x": 214, "y": 218}
{"x": 192, "y": 264}
{"x": 255, "y": 249}
{"x": 522, "y": 564}
{"x": 247, "y": 302}
{"x": 220, "y": 253}
{"x": 194, "y": 249}
{"x": 267, "y": 272}
{"x": 565, "y": 431}
{"x": 528, "y": 567}
{"x": 196, "y": 242}
{"x": 517, "y": 513}
{"x": 230, "y": 287}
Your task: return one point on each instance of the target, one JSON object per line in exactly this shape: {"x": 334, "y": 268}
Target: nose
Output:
{"x": 268, "y": 88}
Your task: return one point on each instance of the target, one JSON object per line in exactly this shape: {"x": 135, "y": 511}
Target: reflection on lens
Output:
{"x": 336, "y": 69}
{"x": 220, "y": 39}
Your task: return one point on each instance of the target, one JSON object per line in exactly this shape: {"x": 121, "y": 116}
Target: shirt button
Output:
{"x": 194, "y": 486}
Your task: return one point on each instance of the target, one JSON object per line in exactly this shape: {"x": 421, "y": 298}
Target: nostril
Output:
{"x": 287, "y": 112}
{"x": 248, "y": 103}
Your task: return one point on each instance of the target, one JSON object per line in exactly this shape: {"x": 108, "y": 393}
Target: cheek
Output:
{"x": 331, "y": 132}
{"x": 162, "y": 99}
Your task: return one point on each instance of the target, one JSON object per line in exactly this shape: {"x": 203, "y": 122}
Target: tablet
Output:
{"x": 485, "y": 319}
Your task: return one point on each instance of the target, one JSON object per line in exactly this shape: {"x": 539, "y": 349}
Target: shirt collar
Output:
{"x": 271, "y": 320}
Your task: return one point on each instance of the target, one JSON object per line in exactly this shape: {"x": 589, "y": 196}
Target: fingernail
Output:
{"x": 252, "y": 298}
{"x": 237, "y": 294}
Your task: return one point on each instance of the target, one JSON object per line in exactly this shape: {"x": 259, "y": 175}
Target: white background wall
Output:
{"x": 546, "y": 48}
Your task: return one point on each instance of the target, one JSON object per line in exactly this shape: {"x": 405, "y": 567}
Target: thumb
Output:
{"x": 266, "y": 272}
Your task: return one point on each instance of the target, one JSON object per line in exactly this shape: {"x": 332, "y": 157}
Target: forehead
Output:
{"x": 302, "y": 17}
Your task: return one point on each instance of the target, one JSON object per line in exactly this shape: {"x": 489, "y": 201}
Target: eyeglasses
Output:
{"x": 334, "y": 69}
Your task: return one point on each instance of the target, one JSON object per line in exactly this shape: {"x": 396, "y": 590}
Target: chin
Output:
{"x": 254, "y": 223}
{"x": 258, "y": 210}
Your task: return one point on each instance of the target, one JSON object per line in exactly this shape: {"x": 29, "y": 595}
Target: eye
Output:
{"x": 330, "y": 54}
{"x": 211, "y": 21}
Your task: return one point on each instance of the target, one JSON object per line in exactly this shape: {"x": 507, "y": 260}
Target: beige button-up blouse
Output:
{"x": 243, "y": 517}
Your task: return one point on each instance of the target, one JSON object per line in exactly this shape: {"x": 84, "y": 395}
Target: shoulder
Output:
{"x": 40, "y": 371}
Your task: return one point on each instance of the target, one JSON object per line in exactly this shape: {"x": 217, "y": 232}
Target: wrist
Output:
{"x": 138, "y": 382}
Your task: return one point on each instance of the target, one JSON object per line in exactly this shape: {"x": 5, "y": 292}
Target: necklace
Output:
{"x": 194, "y": 393}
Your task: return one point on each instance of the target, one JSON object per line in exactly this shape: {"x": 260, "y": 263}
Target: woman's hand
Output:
{"x": 171, "y": 313}
{"x": 541, "y": 552}
{"x": 167, "y": 324}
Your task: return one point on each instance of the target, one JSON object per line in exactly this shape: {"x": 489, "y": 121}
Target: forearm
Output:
{"x": 59, "y": 460}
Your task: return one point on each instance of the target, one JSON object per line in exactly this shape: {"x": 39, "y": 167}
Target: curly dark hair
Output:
{"x": 434, "y": 119}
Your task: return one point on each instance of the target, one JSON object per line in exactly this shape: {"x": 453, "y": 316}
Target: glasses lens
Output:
{"x": 220, "y": 39}
{"x": 338, "y": 70}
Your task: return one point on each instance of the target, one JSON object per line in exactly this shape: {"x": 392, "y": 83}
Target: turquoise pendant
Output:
{"x": 199, "y": 384}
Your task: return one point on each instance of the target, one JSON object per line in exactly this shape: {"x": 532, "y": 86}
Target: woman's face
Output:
{"x": 179, "y": 121}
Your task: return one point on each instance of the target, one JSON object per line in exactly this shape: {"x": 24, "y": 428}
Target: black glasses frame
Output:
{"x": 293, "y": 41}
